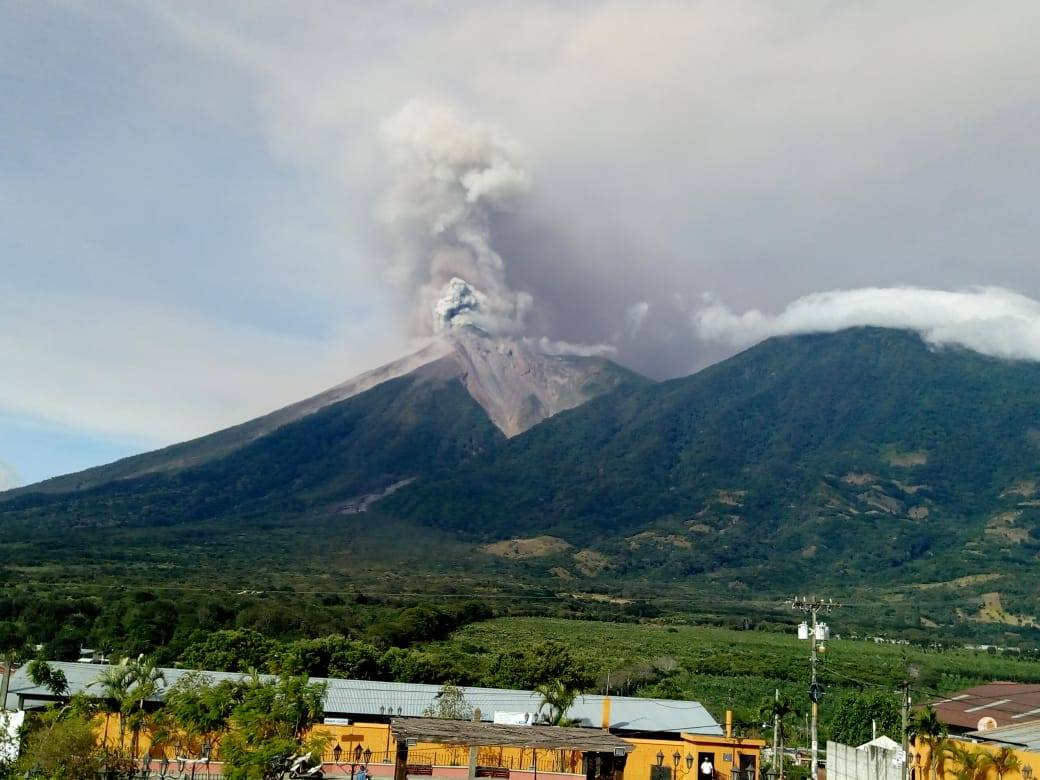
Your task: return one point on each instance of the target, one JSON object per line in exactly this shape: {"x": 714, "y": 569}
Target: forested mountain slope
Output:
{"x": 860, "y": 454}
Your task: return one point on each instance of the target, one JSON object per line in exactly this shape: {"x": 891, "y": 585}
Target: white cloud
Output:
{"x": 989, "y": 320}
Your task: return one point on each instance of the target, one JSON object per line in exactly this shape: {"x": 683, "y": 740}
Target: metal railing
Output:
{"x": 566, "y": 761}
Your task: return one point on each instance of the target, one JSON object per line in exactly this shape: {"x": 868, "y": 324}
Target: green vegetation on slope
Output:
{"x": 396, "y": 431}
{"x": 851, "y": 458}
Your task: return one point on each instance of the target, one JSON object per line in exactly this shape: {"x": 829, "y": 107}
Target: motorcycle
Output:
{"x": 303, "y": 767}
{"x": 299, "y": 767}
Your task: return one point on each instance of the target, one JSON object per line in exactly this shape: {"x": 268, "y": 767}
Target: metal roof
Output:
{"x": 465, "y": 732}
{"x": 1024, "y": 734}
{"x": 1006, "y": 703}
{"x": 385, "y": 699}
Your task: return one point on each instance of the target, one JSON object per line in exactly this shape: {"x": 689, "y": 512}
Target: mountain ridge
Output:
{"x": 515, "y": 384}
{"x": 864, "y": 459}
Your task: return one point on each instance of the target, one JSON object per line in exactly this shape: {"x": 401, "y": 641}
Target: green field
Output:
{"x": 739, "y": 670}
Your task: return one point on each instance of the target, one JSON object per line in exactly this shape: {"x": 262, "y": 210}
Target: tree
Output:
{"x": 42, "y": 673}
{"x": 557, "y": 699}
{"x": 855, "y": 712}
{"x": 450, "y": 703}
{"x": 775, "y": 711}
{"x": 114, "y": 683}
{"x": 269, "y": 721}
{"x": 147, "y": 680}
{"x": 941, "y": 749}
{"x": 125, "y": 687}
{"x": 235, "y": 650}
{"x": 66, "y": 747}
{"x": 538, "y": 663}
{"x": 972, "y": 763}
{"x": 1004, "y": 761}
{"x": 928, "y": 730}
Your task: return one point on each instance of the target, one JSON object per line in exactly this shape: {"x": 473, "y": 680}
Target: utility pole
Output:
{"x": 814, "y": 632}
{"x": 5, "y": 681}
{"x": 906, "y": 735}
{"x": 912, "y": 672}
{"x": 778, "y": 757}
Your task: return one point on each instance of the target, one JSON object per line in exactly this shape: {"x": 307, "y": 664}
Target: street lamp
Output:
{"x": 660, "y": 758}
{"x": 1027, "y": 772}
{"x": 689, "y": 761}
{"x": 368, "y": 755}
{"x": 337, "y": 752}
{"x": 676, "y": 758}
{"x": 356, "y": 761}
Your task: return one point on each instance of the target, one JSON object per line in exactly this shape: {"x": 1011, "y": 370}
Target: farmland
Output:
{"x": 724, "y": 668}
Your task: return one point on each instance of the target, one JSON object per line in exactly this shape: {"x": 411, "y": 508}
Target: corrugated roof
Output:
{"x": 374, "y": 698}
{"x": 1024, "y": 734}
{"x": 464, "y": 732}
{"x": 1005, "y": 702}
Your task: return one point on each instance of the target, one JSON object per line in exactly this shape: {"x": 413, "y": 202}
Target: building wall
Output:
{"x": 726, "y": 752}
{"x": 849, "y": 763}
{"x": 920, "y": 760}
{"x": 726, "y": 755}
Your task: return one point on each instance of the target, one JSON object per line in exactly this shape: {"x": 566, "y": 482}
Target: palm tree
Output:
{"x": 115, "y": 683}
{"x": 973, "y": 763}
{"x": 1004, "y": 761}
{"x": 774, "y": 711}
{"x": 929, "y": 730}
{"x": 125, "y": 687}
{"x": 146, "y": 684}
{"x": 557, "y": 698}
{"x": 941, "y": 749}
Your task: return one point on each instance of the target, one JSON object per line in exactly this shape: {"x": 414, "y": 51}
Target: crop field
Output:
{"x": 740, "y": 670}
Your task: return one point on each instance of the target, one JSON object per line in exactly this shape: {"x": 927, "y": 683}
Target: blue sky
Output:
{"x": 192, "y": 195}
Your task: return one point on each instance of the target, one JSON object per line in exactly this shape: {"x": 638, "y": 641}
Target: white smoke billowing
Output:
{"x": 450, "y": 177}
{"x": 8, "y": 477}
{"x": 635, "y": 316}
{"x": 555, "y": 347}
{"x": 990, "y": 320}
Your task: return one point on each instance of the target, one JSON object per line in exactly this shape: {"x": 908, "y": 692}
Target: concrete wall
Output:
{"x": 849, "y": 763}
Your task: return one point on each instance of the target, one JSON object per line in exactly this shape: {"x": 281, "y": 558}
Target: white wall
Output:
{"x": 849, "y": 763}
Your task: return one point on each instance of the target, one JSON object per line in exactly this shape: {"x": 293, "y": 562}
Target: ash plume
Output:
{"x": 450, "y": 178}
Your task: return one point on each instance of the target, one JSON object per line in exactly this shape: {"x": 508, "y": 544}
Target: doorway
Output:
{"x": 706, "y": 772}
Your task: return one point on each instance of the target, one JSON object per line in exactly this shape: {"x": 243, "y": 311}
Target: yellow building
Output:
{"x": 670, "y": 740}
{"x": 1021, "y": 741}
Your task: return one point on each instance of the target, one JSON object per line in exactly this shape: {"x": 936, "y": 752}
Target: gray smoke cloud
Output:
{"x": 458, "y": 186}
{"x": 989, "y": 320}
{"x": 450, "y": 177}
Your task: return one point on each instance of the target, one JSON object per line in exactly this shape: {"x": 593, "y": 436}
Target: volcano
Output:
{"x": 497, "y": 386}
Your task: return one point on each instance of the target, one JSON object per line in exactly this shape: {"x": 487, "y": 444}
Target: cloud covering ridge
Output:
{"x": 989, "y": 320}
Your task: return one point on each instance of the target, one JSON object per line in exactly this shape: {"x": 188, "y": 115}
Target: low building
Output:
{"x": 671, "y": 740}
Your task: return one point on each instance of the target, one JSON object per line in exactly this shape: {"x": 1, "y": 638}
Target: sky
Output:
{"x": 209, "y": 210}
